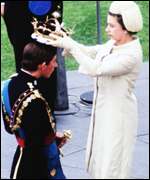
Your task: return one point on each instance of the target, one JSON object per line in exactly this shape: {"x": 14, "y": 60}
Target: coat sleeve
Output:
{"x": 112, "y": 66}
{"x": 90, "y": 51}
{"x": 6, "y": 119}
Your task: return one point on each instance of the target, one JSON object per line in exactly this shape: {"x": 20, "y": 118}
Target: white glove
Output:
{"x": 65, "y": 53}
{"x": 62, "y": 42}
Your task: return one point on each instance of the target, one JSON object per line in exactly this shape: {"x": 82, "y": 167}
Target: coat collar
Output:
{"x": 27, "y": 77}
{"x": 126, "y": 45}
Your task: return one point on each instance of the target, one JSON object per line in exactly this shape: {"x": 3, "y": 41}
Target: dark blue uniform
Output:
{"x": 37, "y": 155}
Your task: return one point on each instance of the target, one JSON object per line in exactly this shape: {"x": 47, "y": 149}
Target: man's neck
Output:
{"x": 33, "y": 73}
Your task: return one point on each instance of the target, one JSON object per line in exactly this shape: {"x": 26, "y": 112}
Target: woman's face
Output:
{"x": 114, "y": 29}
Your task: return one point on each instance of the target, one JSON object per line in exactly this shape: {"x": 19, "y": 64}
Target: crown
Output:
{"x": 42, "y": 29}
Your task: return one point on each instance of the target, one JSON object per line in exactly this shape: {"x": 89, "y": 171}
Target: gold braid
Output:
{"x": 22, "y": 102}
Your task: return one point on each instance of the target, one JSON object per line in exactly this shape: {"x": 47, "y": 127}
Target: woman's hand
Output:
{"x": 64, "y": 42}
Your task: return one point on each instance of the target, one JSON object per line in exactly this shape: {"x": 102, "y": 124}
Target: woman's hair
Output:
{"x": 120, "y": 21}
{"x": 36, "y": 53}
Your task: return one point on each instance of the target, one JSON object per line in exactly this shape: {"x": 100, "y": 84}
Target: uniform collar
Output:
{"x": 28, "y": 76}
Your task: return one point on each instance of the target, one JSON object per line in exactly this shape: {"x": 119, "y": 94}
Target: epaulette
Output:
{"x": 22, "y": 103}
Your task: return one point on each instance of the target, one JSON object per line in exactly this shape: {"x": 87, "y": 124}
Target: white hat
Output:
{"x": 130, "y": 12}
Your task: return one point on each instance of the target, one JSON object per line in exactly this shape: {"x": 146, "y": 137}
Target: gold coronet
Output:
{"x": 43, "y": 29}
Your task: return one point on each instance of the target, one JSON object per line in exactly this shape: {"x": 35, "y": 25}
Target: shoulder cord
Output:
{"x": 20, "y": 105}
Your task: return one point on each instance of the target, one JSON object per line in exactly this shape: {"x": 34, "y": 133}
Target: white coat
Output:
{"x": 113, "y": 125}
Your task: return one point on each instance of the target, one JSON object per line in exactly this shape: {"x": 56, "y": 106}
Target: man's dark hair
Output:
{"x": 36, "y": 53}
{"x": 120, "y": 21}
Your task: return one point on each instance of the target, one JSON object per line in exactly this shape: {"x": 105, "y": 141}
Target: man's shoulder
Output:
{"x": 17, "y": 83}
{"x": 14, "y": 77}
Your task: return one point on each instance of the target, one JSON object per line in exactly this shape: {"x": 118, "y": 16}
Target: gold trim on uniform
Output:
{"x": 30, "y": 85}
{"x": 18, "y": 163}
{"x": 27, "y": 98}
{"x": 23, "y": 101}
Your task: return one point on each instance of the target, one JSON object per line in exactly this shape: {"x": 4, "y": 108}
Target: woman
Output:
{"x": 115, "y": 66}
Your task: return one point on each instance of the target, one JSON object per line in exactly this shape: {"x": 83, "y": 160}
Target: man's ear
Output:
{"x": 42, "y": 66}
